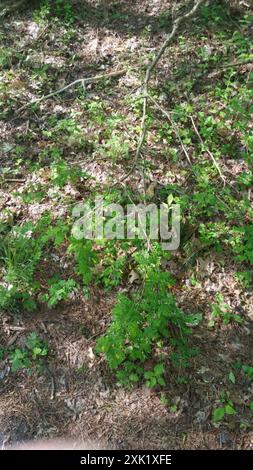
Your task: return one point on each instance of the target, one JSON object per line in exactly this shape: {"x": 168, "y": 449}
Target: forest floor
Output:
{"x": 94, "y": 132}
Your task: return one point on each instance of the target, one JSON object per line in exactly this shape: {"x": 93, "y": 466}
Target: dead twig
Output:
{"x": 82, "y": 81}
{"x": 228, "y": 66}
{"x": 208, "y": 151}
{"x": 97, "y": 334}
{"x": 141, "y": 141}
{"x": 16, "y": 328}
{"x": 52, "y": 393}
{"x": 163, "y": 111}
{"x": 14, "y": 180}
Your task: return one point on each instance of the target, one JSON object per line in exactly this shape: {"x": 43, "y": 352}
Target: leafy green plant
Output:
{"x": 244, "y": 278}
{"x": 6, "y": 55}
{"x": 37, "y": 348}
{"x": 242, "y": 243}
{"x": 164, "y": 400}
{"x": 62, "y": 173}
{"x": 219, "y": 413}
{"x": 155, "y": 377}
{"x": 227, "y": 408}
{"x": 56, "y": 232}
{"x": 85, "y": 258}
{"x": 139, "y": 325}
{"x": 67, "y": 131}
{"x": 62, "y": 9}
{"x": 248, "y": 371}
{"x": 60, "y": 289}
{"x": 116, "y": 147}
{"x": 19, "y": 360}
{"x": 96, "y": 111}
{"x": 42, "y": 14}
{"x": 31, "y": 355}
{"x": 20, "y": 252}
{"x": 220, "y": 311}
{"x": 216, "y": 12}
{"x": 113, "y": 265}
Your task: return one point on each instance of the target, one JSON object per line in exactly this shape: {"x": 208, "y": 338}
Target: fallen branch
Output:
{"x": 14, "y": 180}
{"x": 82, "y": 81}
{"x": 222, "y": 68}
{"x": 169, "y": 38}
{"x": 236, "y": 64}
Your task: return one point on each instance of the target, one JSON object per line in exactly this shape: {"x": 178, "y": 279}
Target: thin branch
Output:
{"x": 141, "y": 140}
{"x": 97, "y": 334}
{"x": 182, "y": 144}
{"x": 14, "y": 180}
{"x": 82, "y": 81}
{"x": 174, "y": 127}
{"x": 222, "y": 68}
{"x": 207, "y": 150}
{"x": 235, "y": 64}
{"x": 52, "y": 379}
{"x": 175, "y": 26}
{"x": 177, "y": 22}
{"x": 144, "y": 231}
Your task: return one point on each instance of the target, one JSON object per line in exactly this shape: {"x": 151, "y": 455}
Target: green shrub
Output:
{"x": 19, "y": 256}
{"x": 85, "y": 258}
{"x": 60, "y": 289}
{"x": 20, "y": 253}
{"x": 220, "y": 311}
{"x": 140, "y": 325}
{"x": 61, "y": 9}
{"x": 32, "y": 354}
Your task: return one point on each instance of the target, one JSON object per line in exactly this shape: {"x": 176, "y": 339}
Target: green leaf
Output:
{"x": 173, "y": 408}
{"x": 37, "y": 351}
{"x": 194, "y": 319}
{"x": 164, "y": 400}
{"x": 19, "y": 360}
{"x": 248, "y": 371}
{"x": 229, "y": 410}
{"x": 218, "y": 414}
{"x": 251, "y": 406}
{"x": 151, "y": 382}
{"x": 161, "y": 381}
{"x": 134, "y": 377}
{"x": 159, "y": 369}
{"x": 170, "y": 199}
{"x": 148, "y": 375}
{"x": 231, "y": 377}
